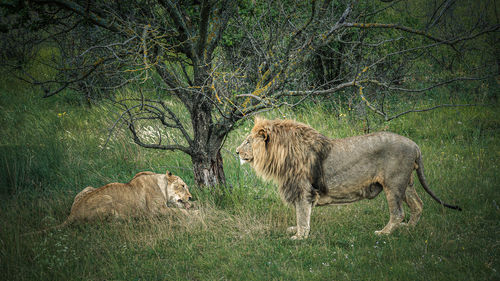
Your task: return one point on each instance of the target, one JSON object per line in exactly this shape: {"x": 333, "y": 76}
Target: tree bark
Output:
{"x": 209, "y": 171}
{"x": 207, "y": 142}
{"x": 207, "y": 160}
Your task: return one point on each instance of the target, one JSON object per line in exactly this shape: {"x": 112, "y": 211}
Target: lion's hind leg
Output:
{"x": 414, "y": 203}
{"x": 394, "y": 192}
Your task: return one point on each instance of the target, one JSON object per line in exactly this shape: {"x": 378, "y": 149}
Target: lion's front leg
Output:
{"x": 303, "y": 212}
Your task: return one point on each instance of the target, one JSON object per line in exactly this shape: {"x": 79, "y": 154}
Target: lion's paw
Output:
{"x": 381, "y": 232}
{"x": 297, "y": 237}
{"x": 291, "y": 229}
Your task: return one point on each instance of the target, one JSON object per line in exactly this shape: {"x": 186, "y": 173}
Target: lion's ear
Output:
{"x": 168, "y": 173}
{"x": 263, "y": 134}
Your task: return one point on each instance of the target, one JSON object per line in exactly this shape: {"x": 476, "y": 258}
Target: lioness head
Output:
{"x": 177, "y": 191}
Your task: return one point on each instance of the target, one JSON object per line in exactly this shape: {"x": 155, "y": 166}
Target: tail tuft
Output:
{"x": 452, "y": 207}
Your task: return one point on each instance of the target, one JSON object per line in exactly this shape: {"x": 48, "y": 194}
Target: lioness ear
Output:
{"x": 168, "y": 173}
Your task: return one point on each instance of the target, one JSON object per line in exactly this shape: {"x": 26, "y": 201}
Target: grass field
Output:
{"x": 50, "y": 149}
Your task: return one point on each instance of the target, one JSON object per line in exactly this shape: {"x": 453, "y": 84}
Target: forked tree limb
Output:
{"x": 449, "y": 42}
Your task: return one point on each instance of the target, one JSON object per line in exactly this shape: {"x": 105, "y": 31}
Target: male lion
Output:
{"x": 311, "y": 169}
{"x": 147, "y": 193}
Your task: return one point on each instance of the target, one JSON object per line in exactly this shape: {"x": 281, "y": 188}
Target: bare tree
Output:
{"x": 224, "y": 60}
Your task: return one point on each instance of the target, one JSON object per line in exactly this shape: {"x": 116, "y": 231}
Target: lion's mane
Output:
{"x": 291, "y": 154}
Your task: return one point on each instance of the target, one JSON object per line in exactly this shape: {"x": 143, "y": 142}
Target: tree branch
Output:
{"x": 72, "y": 6}
{"x": 203, "y": 28}
{"x": 227, "y": 9}
{"x": 399, "y": 27}
{"x": 449, "y": 42}
{"x": 181, "y": 26}
{"x": 135, "y": 136}
{"x": 138, "y": 141}
{"x": 428, "y": 109}
{"x": 49, "y": 93}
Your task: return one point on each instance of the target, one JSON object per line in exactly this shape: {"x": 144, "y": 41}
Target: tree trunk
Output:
{"x": 208, "y": 171}
{"x": 206, "y": 157}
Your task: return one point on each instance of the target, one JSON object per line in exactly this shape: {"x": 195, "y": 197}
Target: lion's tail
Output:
{"x": 421, "y": 178}
{"x": 45, "y": 230}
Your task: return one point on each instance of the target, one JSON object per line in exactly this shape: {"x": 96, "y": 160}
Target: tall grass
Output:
{"x": 51, "y": 149}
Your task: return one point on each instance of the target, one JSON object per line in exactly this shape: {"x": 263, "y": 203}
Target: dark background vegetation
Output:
{"x": 95, "y": 91}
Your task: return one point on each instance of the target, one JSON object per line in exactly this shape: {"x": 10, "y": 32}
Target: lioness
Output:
{"x": 311, "y": 169}
{"x": 146, "y": 194}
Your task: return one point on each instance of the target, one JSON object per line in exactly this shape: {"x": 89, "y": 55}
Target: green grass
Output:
{"x": 50, "y": 150}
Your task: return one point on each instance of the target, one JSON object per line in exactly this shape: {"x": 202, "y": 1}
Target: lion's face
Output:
{"x": 255, "y": 143}
{"x": 177, "y": 192}
{"x": 245, "y": 150}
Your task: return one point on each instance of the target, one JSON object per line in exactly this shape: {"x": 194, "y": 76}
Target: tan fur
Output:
{"x": 146, "y": 194}
{"x": 311, "y": 169}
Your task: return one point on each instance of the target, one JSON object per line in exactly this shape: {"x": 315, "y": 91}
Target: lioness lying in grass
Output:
{"x": 147, "y": 194}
